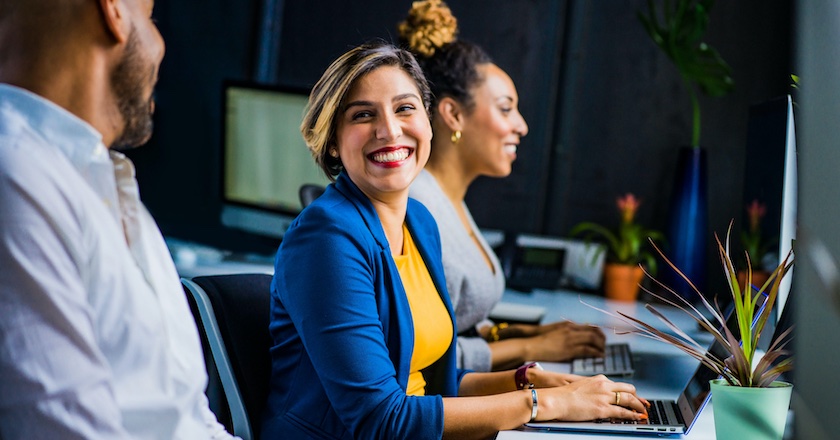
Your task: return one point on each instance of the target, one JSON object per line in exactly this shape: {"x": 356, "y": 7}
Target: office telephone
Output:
{"x": 542, "y": 262}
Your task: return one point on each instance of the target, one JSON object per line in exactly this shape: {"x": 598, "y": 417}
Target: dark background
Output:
{"x": 607, "y": 110}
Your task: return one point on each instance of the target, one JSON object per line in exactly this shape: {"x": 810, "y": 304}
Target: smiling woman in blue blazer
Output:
{"x": 360, "y": 318}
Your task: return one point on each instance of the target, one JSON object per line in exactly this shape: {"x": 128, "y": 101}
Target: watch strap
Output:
{"x": 521, "y": 376}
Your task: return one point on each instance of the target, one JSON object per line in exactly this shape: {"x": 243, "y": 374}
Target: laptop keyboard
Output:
{"x": 617, "y": 361}
{"x": 660, "y": 413}
{"x": 657, "y": 415}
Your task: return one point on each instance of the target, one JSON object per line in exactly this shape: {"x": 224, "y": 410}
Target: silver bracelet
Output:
{"x": 533, "y": 404}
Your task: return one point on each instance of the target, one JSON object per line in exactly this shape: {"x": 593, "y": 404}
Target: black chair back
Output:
{"x": 241, "y": 305}
{"x": 308, "y": 193}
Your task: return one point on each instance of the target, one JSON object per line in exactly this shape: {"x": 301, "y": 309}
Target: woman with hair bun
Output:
{"x": 477, "y": 127}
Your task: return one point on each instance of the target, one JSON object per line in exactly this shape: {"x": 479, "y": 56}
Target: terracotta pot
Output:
{"x": 759, "y": 277}
{"x": 621, "y": 281}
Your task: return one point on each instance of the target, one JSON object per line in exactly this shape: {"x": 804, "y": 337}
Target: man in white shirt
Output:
{"x": 96, "y": 337}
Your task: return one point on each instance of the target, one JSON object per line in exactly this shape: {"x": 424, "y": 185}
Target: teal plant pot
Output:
{"x": 750, "y": 413}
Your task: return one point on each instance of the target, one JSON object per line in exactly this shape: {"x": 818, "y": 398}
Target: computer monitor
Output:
{"x": 264, "y": 159}
{"x": 770, "y": 177}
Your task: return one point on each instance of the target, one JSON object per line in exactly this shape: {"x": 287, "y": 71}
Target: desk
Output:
{"x": 194, "y": 260}
{"x": 661, "y": 370}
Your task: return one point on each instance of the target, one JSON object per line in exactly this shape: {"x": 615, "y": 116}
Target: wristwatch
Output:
{"x": 521, "y": 376}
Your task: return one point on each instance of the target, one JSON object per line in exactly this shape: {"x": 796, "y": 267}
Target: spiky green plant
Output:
{"x": 737, "y": 367}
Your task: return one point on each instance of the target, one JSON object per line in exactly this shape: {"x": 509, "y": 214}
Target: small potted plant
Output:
{"x": 626, "y": 250}
{"x": 749, "y": 402}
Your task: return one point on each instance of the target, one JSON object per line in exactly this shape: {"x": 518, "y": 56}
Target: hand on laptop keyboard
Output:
{"x": 564, "y": 341}
{"x": 594, "y": 398}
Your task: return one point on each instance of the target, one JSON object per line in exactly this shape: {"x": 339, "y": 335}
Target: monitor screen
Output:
{"x": 264, "y": 159}
{"x": 770, "y": 179}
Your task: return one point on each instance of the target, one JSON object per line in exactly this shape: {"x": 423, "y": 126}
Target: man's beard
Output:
{"x": 129, "y": 80}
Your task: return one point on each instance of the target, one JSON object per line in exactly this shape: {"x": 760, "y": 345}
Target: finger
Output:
{"x": 624, "y": 387}
{"x": 588, "y": 335}
{"x": 588, "y": 345}
{"x": 631, "y": 401}
{"x": 587, "y": 351}
{"x": 589, "y": 328}
{"x": 619, "y": 412}
{"x": 627, "y": 400}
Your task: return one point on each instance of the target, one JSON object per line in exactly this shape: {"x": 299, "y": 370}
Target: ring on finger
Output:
{"x": 618, "y": 397}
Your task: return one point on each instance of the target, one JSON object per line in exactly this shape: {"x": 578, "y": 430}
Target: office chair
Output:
{"x": 232, "y": 314}
{"x": 308, "y": 193}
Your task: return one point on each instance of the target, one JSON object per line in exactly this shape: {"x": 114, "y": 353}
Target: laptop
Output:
{"x": 617, "y": 361}
{"x": 665, "y": 417}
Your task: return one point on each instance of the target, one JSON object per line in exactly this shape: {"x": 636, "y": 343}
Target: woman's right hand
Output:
{"x": 591, "y": 398}
{"x": 565, "y": 341}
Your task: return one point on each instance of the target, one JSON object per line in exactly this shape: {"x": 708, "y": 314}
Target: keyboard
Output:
{"x": 617, "y": 361}
{"x": 661, "y": 413}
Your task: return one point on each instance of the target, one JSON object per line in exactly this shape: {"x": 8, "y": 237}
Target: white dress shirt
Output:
{"x": 96, "y": 336}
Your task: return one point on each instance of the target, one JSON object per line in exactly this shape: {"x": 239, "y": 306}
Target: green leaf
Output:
{"x": 680, "y": 38}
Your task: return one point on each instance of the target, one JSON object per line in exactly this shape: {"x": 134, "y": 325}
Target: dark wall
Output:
{"x": 606, "y": 109}
{"x": 625, "y": 111}
{"x": 179, "y": 170}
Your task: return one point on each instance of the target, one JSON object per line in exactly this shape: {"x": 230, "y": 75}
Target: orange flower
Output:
{"x": 628, "y": 205}
{"x": 627, "y": 244}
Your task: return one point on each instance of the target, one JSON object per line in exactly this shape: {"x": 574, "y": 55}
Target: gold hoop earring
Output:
{"x": 456, "y": 136}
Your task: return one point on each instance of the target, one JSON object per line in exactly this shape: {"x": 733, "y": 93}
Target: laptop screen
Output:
{"x": 694, "y": 396}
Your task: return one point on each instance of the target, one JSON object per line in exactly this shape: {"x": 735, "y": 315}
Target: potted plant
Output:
{"x": 625, "y": 250}
{"x": 678, "y": 30}
{"x": 747, "y": 388}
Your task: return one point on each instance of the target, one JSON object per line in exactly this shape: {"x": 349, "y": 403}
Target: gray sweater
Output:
{"x": 474, "y": 289}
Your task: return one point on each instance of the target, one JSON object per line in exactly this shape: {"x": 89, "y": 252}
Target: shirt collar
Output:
{"x": 77, "y": 139}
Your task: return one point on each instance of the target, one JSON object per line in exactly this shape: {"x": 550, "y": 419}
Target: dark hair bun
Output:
{"x": 430, "y": 26}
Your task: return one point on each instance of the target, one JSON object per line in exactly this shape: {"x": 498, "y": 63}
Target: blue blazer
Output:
{"x": 342, "y": 328}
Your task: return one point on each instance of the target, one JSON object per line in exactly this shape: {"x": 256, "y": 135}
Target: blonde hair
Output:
{"x": 327, "y": 98}
{"x": 429, "y": 26}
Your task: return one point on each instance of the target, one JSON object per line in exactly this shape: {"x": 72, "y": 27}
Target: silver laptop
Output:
{"x": 665, "y": 417}
{"x": 617, "y": 361}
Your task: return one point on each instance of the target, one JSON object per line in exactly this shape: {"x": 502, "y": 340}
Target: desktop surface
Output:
{"x": 194, "y": 260}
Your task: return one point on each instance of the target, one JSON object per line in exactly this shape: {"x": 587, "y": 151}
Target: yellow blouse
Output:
{"x": 432, "y": 323}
